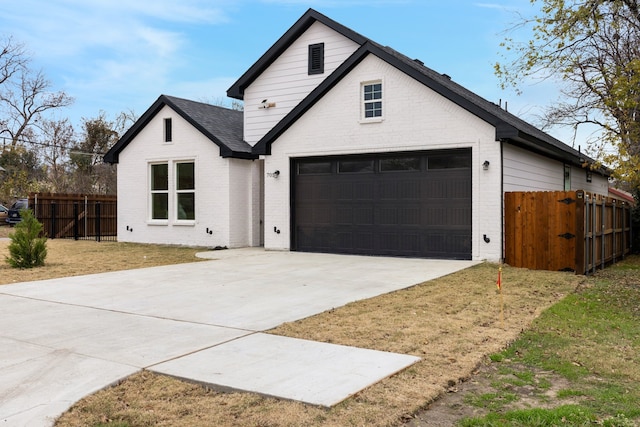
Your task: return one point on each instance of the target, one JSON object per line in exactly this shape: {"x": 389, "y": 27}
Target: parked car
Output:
{"x": 13, "y": 216}
{"x": 4, "y": 213}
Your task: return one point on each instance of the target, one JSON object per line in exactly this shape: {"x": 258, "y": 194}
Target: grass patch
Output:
{"x": 563, "y": 415}
{"x": 592, "y": 339}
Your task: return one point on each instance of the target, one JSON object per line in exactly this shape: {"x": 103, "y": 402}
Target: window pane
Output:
{"x": 186, "y": 206}
{"x": 373, "y": 109}
{"x": 160, "y": 206}
{"x": 307, "y": 168}
{"x": 450, "y": 162}
{"x": 373, "y": 92}
{"x": 355, "y": 166}
{"x": 185, "y": 176}
{"x": 160, "y": 177}
{"x": 400, "y": 164}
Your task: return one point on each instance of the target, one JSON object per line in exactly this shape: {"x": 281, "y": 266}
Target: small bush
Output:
{"x": 27, "y": 249}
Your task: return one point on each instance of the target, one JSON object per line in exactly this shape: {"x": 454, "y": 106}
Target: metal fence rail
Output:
{"x": 79, "y": 217}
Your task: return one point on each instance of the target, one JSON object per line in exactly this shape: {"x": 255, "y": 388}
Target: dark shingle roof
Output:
{"x": 221, "y": 125}
{"x": 508, "y": 127}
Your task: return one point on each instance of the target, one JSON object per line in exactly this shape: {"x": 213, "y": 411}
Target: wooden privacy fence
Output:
{"x": 565, "y": 230}
{"x": 76, "y": 216}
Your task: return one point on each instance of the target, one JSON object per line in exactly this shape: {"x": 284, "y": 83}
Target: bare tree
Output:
{"x": 12, "y": 58}
{"x": 24, "y": 99}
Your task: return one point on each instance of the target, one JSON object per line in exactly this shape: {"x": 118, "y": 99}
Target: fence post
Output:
{"x": 97, "y": 221}
{"x": 594, "y": 234}
{"x": 76, "y": 221}
{"x": 613, "y": 238}
{"x": 52, "y": 226}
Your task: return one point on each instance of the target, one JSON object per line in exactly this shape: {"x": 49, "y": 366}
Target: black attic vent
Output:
{"x": 316, "y": 58}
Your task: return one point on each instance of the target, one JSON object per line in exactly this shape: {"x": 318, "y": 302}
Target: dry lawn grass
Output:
{"x": 451, "y": 323}
{"x": 72, "y": 258}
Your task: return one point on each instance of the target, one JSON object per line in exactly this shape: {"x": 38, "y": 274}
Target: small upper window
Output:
{"x": 316, "y": 58}
{"x": 167, "y": 130}
{"x": 372, "y": 100}
{"x": 567, "y": 178}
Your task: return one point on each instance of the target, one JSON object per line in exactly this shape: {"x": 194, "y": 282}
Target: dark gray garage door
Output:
{"x": 401, "y": 204}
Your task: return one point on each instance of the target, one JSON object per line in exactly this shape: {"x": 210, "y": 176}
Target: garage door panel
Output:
{"x": 416, "y": 212}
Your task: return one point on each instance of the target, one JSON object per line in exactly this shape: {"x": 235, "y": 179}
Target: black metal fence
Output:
{"x": 76, "y": 217}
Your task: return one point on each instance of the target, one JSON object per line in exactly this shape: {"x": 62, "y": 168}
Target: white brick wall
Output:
{"x": 286, "y": 82}
{"x": 415, "y": 118}
{"x": 214, "y": 206}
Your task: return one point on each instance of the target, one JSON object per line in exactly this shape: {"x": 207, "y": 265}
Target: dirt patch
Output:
{"x": 504, "y": 385}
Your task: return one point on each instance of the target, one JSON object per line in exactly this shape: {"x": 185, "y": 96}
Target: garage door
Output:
{"x": 400, "y": 204}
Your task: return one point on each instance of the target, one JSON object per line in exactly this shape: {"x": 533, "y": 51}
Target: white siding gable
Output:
{"x": 286, "y": 82}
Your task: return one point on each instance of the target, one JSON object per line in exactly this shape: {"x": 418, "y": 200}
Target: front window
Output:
{"x": 185, "y": 191}
{"x": 160, "y": 191}
{"x": 372, "y": 100}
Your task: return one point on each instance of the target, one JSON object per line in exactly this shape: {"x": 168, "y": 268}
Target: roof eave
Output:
{"x": 509, "y": 134}
{"x": 112, "y": 156}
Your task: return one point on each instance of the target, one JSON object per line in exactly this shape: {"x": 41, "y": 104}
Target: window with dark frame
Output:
{"x": 167, "y": 130}
{"x": 400, "y": 164}
{"x": 316, "y": 58}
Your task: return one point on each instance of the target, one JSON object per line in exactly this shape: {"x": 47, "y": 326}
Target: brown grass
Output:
{"x": 72, "y": 258}
{"x": 451, "y": 323}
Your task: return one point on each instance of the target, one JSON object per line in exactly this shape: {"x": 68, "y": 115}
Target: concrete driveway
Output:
{"x": 63, "y": 339}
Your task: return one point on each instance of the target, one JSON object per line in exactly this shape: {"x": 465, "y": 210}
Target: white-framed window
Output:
{"x": 372, "y": 100}
{"x": 172, "y": 192}
{"x": 159, "y": 189}
{"x": 185, "y": 191}
{"x": 567, "y": 177}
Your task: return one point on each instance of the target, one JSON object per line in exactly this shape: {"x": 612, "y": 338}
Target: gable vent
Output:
{"x": 316, "y": 58}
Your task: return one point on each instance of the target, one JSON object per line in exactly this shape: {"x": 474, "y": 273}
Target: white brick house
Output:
{"x": 344, "y": 146}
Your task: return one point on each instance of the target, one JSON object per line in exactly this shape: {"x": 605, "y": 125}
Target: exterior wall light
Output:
{"x": 485, "y": 165}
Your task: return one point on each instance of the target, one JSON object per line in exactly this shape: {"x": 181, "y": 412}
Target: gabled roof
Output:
{"x": 221, "y": 125}
{"x": 509, "y": 128}
{"x": 301, "y": 25}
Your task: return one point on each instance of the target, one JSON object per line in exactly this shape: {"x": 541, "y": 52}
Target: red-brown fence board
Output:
{"x": 565, "y": 230}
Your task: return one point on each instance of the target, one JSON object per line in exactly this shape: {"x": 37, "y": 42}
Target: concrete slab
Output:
{"x": 288, "y": 368}
{"x": 249, "y": 289}
{"x": 76, "y": 335}
{"x": 39, "y": 383}
{"x": 119, "y": 337}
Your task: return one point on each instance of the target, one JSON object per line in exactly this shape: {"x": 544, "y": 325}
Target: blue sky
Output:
{"x": 115, "y": 55}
